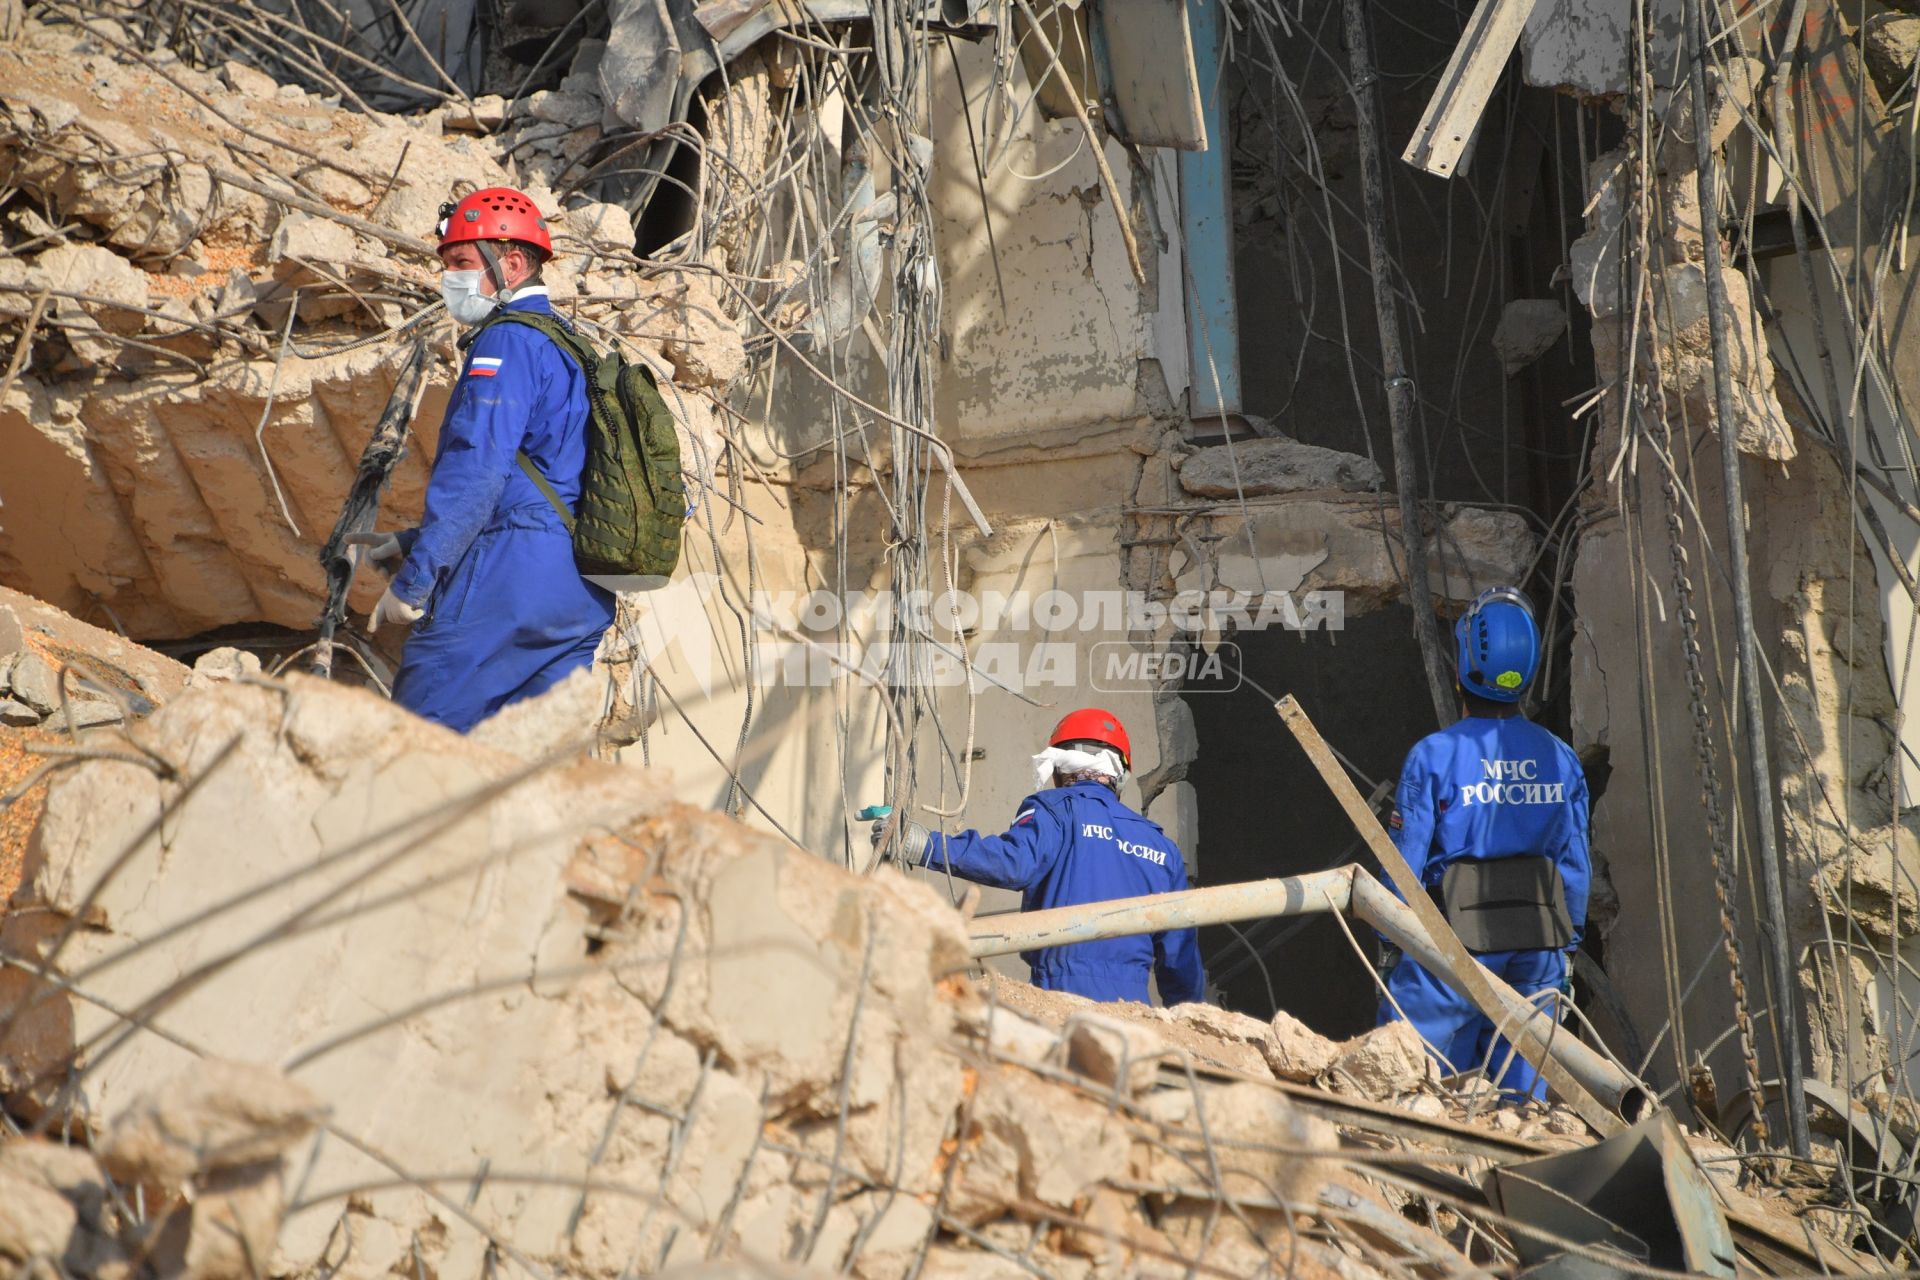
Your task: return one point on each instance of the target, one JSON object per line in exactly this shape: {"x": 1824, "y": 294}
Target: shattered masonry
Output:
{"x": 210, "y": 256}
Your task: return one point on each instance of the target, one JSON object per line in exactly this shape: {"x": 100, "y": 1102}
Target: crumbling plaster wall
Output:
{"x": 1844, "y": 857}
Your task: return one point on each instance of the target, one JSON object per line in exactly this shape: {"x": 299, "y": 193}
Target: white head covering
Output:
{"x": 1071, "y": 760}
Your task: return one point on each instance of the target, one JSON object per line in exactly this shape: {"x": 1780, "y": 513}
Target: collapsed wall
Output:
{"x": 545, "y": 1013}
{"x": 298, "y": 985}
{"x": 201, "y": 273}
{"x": 1654, "y": 678}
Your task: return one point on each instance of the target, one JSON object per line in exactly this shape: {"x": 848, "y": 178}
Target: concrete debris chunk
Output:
{"x": 219, "y": 1115}
{"x": 34, "y": 682}
{"x": 485, "y": 114}
{"x": 1277, "y": 465}
{"x": 87, "y": 713}
{"x": 1259, "y": 1139}
{"x": 1383, "y": 1063}
{"x": 1220, "y": 1035}
{"x": 231, "y": 1225}
{"x": 1026, "y": 1144}
{"x": 1527, "y": 330}
{"x": 1296, "y": 1051}
{"x": 703, "y": 342}
{"x": 218, "y": 666}
{"x": 17, "y": 714}
{"x": 1116, "y": 1053}
{"x": 115, "y": 290}
{"x": 1012, "y": 1037}
{"x": 35, "y": 1220}
{"x": 1892, "y": 43}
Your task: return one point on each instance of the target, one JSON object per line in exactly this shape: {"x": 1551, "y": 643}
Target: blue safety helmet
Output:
{"x": 1496, "y": 646}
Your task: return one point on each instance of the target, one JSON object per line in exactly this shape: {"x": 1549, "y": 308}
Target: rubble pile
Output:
{"x": 545, "y": 1012}
{"x": 304, "y": 985}
{"x": 203, "y": 272}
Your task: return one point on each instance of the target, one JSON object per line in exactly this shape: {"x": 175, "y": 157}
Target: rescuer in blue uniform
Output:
{"x": 1491, "y": 814}
{"x": 1073, "y": 842}
{"x": 500, "y": 611}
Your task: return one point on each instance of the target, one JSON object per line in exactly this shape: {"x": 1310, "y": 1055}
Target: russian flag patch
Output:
{"x": 484, "y": 366}
{"x": 1026, "y": 815}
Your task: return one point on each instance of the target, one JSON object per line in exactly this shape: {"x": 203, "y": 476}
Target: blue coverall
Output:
{"x": 1079, "y": 844}
{"x": 1489, "y": 787}
{"x": 507, "y": 613}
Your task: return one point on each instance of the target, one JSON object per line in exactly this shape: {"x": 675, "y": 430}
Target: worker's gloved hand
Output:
{"x": 1386, "y": 957}
{"x": 913, "y": 838}
{"x": 392, "y": 609}
{"x": 383, "y": 549}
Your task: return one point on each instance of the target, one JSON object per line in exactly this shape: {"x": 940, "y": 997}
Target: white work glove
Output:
{"x": 383, "y": 549}
{"x": 913, "y": 839}
{"x": 392, "y": 609}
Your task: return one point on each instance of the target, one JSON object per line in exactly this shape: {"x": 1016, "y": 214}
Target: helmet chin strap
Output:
{"x": 491, "y": 257}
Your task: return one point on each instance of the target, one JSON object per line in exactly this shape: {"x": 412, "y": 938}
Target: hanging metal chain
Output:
{"x": 1724, "y": 888}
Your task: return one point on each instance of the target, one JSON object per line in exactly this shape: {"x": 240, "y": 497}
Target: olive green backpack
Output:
{"x": 633, "y": 497}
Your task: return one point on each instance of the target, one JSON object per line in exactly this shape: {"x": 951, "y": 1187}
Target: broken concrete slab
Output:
{"x": 219, "y": 1115}
{"x": 1232, "y": 1039}
{"x": 1527, "y": 330}
{"x": 33, "y": 681}
{"x": 17, "y": 714}
{"x": 1275, "y": 465}
{"x": 1261, "y": 1141}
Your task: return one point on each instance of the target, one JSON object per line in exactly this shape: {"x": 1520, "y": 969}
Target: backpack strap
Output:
{"x": 583, "y": 355}
{"x": 545, "y": 486}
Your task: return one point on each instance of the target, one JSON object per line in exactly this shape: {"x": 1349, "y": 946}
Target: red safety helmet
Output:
{"x": 494, "y": 213}
{"x": 1091, "y": 724}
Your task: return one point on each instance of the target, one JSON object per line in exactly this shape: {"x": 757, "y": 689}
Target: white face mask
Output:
{"x": 465, "y": 302}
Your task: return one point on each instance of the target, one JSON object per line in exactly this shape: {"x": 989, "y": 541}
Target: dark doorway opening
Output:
{"x": 1264, "y": 812}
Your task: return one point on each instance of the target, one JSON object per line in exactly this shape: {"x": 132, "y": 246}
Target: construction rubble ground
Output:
{"x": 1122, "y": 307}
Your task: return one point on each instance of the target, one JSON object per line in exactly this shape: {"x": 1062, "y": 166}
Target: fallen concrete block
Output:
{"x": 34, "y": 682}
{"x": 1892, "y": 43}
{"x": 1032, "y": 1144}
{"x": 17, "y": 714}
{"x": 1384, "y": 1062}
{"x": 220, "y": 1115}
{"x": 1296, "y": 1051}
{"x": 35, "y": 1221}
{"x": 1117, "y": 1054}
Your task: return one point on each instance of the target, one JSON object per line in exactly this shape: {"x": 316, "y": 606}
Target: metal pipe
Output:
{"x": 1399, "y": 387}
{"x": 1619, "y": 1092}
{"x": 1773, "y": 923}
{"x": 1156, "y": 912}
{"x": 1349, "y": 890}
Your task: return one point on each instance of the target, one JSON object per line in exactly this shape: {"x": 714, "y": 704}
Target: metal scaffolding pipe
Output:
{"x": 1619, "y": 1092}
{"x": 1187, "y": 909}
{"x": 1349, "y": 890}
